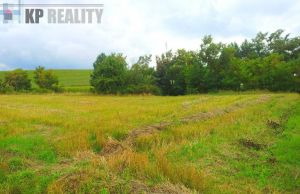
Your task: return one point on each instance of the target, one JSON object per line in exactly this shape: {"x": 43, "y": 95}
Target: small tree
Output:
{"x": 109, "y": 74}
{"x": 140, "y": 77}
{"x": 45, "y": 79}
{"x": 5, "y": 88}
{"x": 18, "y": 80}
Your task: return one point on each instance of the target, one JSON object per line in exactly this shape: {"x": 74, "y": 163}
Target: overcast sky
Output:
{"x": 138, "y": 27}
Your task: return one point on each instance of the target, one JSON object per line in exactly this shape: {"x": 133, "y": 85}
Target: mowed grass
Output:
{"x": 72, "y": 80}
{"x": 222, "y": 143}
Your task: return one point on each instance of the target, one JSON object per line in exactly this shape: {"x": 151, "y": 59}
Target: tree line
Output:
{"x": 19, "y": 81}
{"x": 270, "y": 61}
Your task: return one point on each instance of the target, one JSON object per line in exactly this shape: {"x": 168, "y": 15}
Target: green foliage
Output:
{"x": 4, "y": 88}
{"x": 17, "y": 79}
{"x": 112, "y": 76}
{"x": 109, "y": 74}
{"x": 267, "y": 62}
{"x": 140, "y": 77}
{"x": 171, "y": 72}
{"x": 45, "y": 79}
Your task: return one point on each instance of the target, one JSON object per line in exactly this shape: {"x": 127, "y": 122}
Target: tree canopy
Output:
{"x": 45, "y": 79}
{"x": 18, "y": 80}
{"x": 269, "y": 61}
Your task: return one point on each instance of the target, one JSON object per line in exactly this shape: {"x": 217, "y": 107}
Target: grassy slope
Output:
{"x": 55, "y": 143}
{"x": 70, "y": 79}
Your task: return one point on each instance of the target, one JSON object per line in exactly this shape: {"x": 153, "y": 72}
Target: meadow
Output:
{"x": 216, "y": 143}
{"x": 71, "y": 80}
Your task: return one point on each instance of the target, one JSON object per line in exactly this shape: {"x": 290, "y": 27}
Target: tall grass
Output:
{"x": 54, "y": 143}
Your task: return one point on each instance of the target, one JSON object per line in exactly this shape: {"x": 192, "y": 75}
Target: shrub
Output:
{"x": 142, "y": 89}
{"x": 5, "y": 89}
{"x": 45, "y": 79}
{"x": 2, "y": 87}
{"x": 17, "y": 79}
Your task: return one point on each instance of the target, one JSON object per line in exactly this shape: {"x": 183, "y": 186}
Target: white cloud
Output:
{"x": 137, "y": 27}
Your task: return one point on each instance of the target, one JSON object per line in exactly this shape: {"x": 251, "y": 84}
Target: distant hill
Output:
{"x": 71, "y": 79}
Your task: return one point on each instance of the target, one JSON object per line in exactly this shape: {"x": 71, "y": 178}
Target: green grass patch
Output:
{"x": 31, "y": 147}
{"x": 71, "y": 79}
{"x": 287, "y": 149}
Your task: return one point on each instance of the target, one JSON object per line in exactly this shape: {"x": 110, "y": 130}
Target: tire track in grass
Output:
{"x": 113, "y": 147}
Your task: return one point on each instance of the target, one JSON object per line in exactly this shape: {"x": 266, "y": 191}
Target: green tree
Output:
{"x": 284, "y": 45}
{"x": 268, "y": 61}
{"x": 246, "y": 50}
{"x": 231, "y": 72}
{"x": 282, "y": 78}
{"x": 141, "y": 72}
{"x": 45, "y": 79}
{"x": 195, "y": 78}
{"x": 163, "y": 64}
{"x": 171, "y": 72}
{"x": 210, "y": 54}
{"x": 109, "y": 75}
{"x": 260, "y": 45}
{"x": 18, "y": 80}
{"x": 141, "y": 77}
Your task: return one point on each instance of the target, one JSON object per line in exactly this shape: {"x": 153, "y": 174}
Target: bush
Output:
{"x": 45, "y": 79}
{"x": 17, "y": 80}
{"x": 142, "y": 89}
{"x": 2, "y": 86}
{"x": 5, "y": 89}
{"x": 57, "y": 88}
{"x": 109, "y": 74}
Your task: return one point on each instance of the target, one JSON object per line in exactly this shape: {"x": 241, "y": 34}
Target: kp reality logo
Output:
{"x": 15, "y": 11}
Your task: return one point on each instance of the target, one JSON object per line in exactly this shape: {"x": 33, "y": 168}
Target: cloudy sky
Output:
{"x": 138, "y": 27}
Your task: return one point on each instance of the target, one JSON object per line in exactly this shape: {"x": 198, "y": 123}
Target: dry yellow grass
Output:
{"x": 109, "y": 144}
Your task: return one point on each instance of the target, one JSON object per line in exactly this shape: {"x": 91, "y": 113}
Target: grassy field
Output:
{"x": 71, "y": 80}
{"x": 223, "y": 143}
